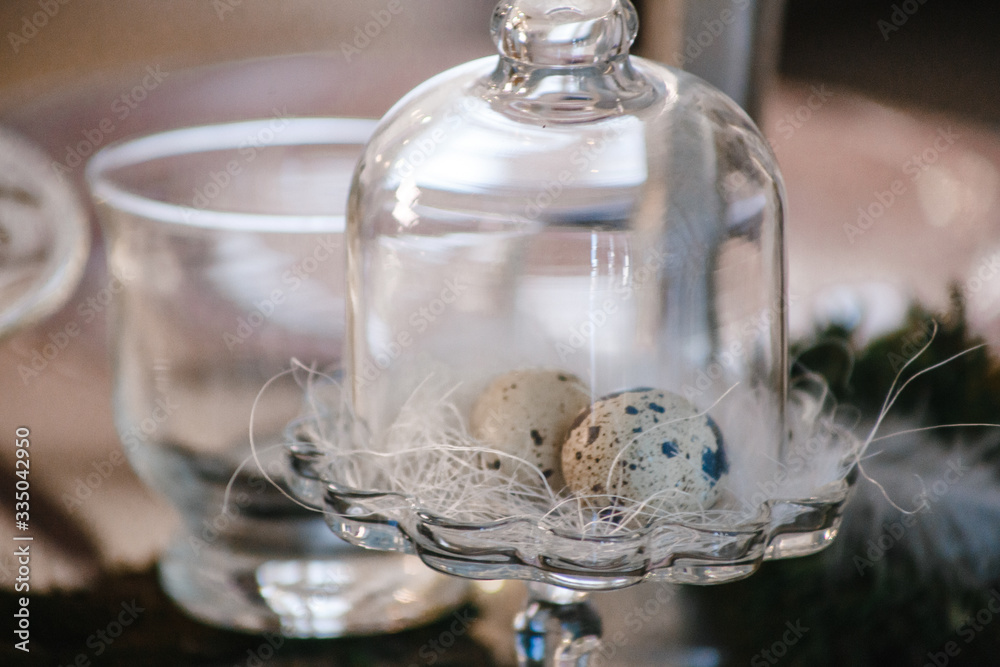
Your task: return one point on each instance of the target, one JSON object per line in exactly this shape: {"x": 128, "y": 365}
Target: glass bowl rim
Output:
{"x": 297, "y": 131}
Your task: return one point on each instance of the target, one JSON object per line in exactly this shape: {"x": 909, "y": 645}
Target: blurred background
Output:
{"x": 885, "y": 117}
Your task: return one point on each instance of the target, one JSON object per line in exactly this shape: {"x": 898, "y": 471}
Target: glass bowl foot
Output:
{"x": 340, "y": 593}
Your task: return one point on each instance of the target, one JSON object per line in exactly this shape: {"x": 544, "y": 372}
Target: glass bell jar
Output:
{"x": 566, "y": 269}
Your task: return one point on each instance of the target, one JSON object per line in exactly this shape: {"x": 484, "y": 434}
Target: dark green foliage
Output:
{"x": 966, "y": 390}
{"x": 864, "y": 611}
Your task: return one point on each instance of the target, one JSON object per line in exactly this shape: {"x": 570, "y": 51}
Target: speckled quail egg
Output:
{"x": 527, "y": 414}
{"x": 657, "y": 443}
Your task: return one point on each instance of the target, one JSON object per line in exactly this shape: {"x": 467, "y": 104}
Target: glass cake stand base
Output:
{"x": 558, "y": 627}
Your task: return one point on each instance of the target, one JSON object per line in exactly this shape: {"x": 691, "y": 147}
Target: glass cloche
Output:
{"x": 570, "y": 262}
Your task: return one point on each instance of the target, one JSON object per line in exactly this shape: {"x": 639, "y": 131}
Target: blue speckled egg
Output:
{"x": 653, "y": 443}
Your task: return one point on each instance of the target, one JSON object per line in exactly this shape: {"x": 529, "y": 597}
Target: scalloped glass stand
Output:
{"x": 557, "y": 626}
{"x": 518, "y": 548}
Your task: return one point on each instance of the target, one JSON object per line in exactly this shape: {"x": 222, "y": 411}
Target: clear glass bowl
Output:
{"x": 227, "y": 242}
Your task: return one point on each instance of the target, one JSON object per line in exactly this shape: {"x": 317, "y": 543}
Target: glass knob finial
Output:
{"x": 562, "y": 34}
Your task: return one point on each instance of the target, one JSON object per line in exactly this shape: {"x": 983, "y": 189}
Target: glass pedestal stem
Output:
{"x": 557, "y": 628}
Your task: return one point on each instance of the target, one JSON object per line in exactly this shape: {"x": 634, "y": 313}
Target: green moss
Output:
{"x": 965, "y": 390}
{"x": 891, "y": 613}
